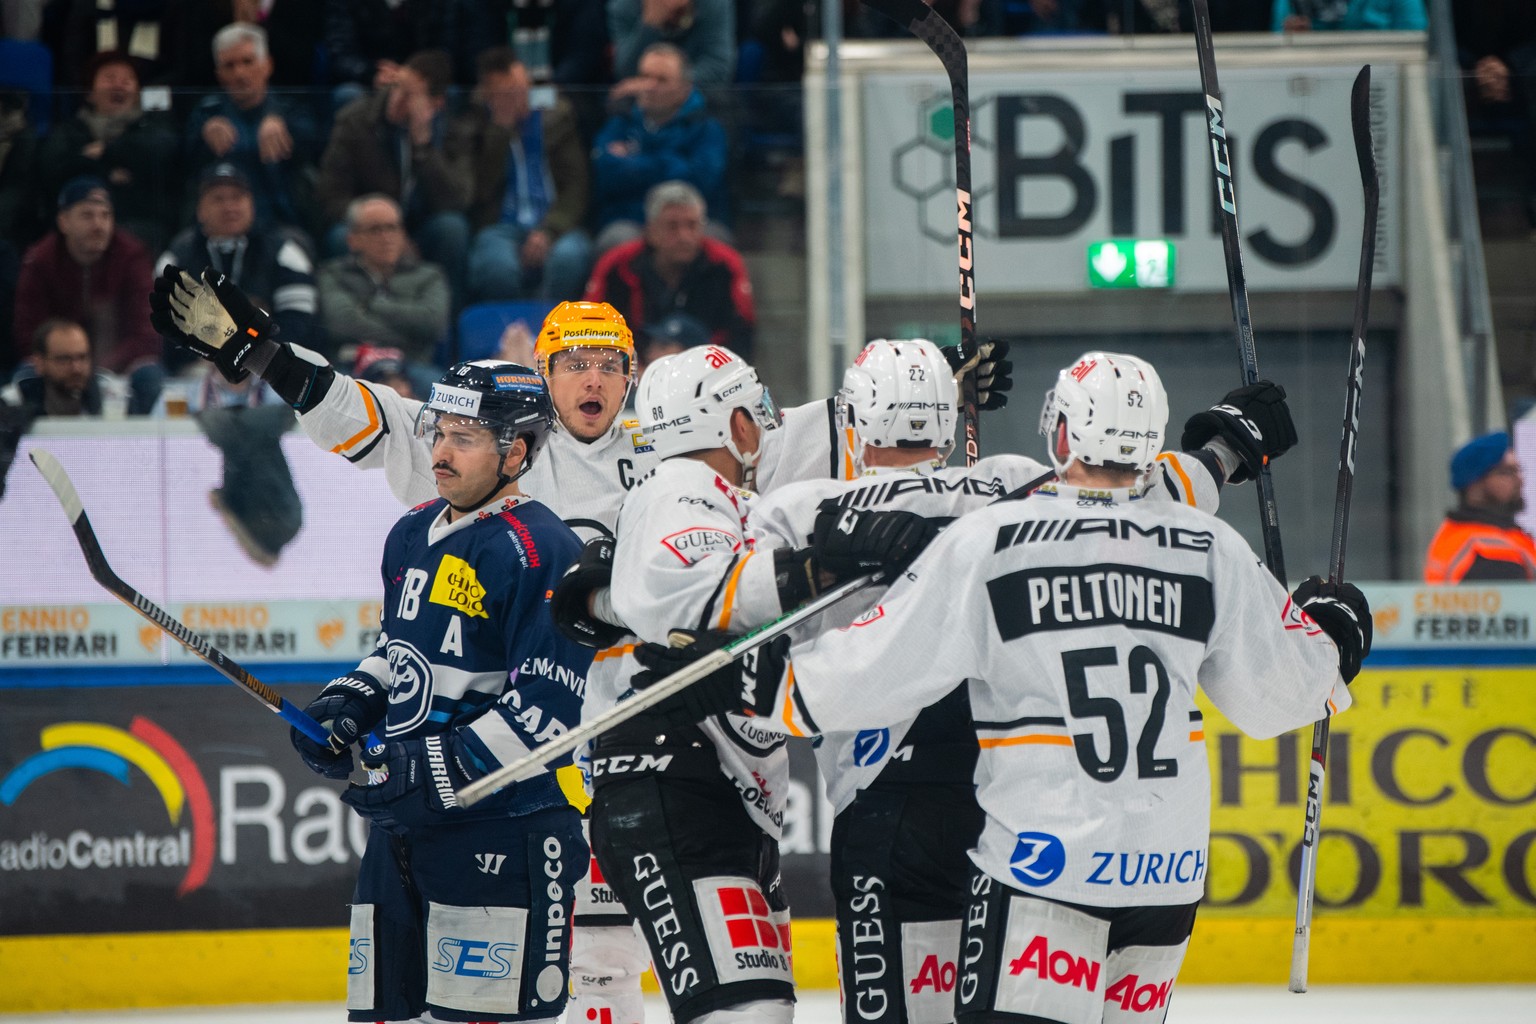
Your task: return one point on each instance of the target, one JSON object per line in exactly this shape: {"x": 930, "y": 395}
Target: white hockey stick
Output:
{"x": 534, "y": 761}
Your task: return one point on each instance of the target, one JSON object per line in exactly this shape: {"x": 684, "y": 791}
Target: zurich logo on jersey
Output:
{"x": 870, "y": 745}
{"x": 1038, "y": 859}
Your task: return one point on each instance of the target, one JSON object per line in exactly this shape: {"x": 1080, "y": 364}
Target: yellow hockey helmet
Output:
{"x": 584, "y": 325}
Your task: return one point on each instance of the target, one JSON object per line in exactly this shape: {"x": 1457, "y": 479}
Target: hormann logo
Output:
{"x": 518, "y": 382}
{"x": 114, "y": 752}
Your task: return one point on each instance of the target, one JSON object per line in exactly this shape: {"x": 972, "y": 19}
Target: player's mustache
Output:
{"x": 445, "y": 467}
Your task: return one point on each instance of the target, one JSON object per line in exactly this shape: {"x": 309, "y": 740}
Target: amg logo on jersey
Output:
{"x": 888, "y": 492}
{"x": 1080, "y": 597}
{"x": 1041, "y": 530}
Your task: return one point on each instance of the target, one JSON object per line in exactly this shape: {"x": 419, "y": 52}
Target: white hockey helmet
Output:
{"x": 902, "y": 394}
{"x": 685, "y": 402}
{"x": 1108, "y": 407}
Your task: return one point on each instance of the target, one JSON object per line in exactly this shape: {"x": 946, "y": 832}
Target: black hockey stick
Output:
{"x": 1306, "y": 883}
{"x": 926, "y": 24}
{"x": 533, "y": 762}
{"x": 1237, "y": 284}
{"x": 102, "y": 573}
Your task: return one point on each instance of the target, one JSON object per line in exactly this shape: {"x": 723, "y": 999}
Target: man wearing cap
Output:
{"x": 268, "y": 264}
{"x": 1479, "y": 540}
{"x": 92, "y": 273}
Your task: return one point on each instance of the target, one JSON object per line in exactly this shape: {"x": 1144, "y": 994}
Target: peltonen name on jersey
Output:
{"x": 1033, "y": 531}
{"x": 888, "y": 491}
{"x": 1078, "y": 597}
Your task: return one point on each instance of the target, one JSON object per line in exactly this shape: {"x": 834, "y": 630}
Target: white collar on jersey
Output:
{"x": 441, "y": 527}
{"x": 928, "y": 468}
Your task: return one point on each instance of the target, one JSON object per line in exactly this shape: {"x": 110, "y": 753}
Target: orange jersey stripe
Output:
{"x": 1049, "y": 739}
{"x": 373, "y": 422}
{"x": 729, "y": 602}
{"x": 1189, "y": 489}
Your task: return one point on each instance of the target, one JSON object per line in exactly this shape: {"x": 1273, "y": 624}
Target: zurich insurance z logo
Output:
{"x": 411, "y": 685}
{"x": 1038, "y": 859}
{"x": 870, "y": 747}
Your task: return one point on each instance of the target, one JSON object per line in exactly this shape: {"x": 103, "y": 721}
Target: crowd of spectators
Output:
{"x": 365, "y": 169}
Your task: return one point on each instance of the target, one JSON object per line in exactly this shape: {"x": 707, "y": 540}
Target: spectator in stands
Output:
{"x": 666, "y": 135}
{"x": 380, "y": 364}
{"x": 703, "y": 30}
{"x": 368, "y": 41}
{"x": 294, "y": 31}
{"x": 20, "y": 223}
{"x": 1355, "y": 15}
{"x": 271, "y": 267}
{"x": 673, "y": 333}
{"x": 530, "y": 191}
{"x": 1496, "y": 44}
{"x": 381, "y": 294}
{"x": 1479, "y": 540}
{"x": 1137, "y": 17}
{"x": 90, "y": 27}
{"x": 675, "y": 268}
{"x": 92, "y": 273}
{"x": 66, "y": 382}
{"x": 399, "y": 142}
{"x": 271, "y": 139}
{"x": 113, "y": 138}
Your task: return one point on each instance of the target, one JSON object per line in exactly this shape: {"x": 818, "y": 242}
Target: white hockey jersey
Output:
{"x": 684, "y": 559}
{"x": 1084, "y": 621}
{"x": 373, "y": 427}
{"x": 851, "y": 761}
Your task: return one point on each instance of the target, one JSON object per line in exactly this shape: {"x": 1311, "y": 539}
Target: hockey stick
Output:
{"x": 534, "y": 761}
{"x": 1237, "y": 285}
{"x": 1306, "y": 883}
{"x": 96, "y": 561}
{"x": 924, "y": 23}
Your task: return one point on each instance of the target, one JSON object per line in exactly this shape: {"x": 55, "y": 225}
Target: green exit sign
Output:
{"x": 1130, "y": 263}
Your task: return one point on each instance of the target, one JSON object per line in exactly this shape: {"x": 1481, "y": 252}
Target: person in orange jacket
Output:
{"x": 1479, "y": 540}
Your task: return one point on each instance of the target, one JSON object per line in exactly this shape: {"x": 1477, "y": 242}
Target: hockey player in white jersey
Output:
{"x": 903, "y": 796}
{"x": 686, "y": 813}
{"x": 1083, "y": 619}
{"x": 469, "y": 673}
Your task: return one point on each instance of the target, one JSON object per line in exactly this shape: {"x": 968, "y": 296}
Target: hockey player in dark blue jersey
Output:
{"x": 463, "y": 914}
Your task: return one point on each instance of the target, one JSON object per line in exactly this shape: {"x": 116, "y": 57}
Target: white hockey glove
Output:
{"x": 209, "y": 315}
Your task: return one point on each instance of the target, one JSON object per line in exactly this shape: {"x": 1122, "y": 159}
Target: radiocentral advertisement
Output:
{"x": 146, "y": 804}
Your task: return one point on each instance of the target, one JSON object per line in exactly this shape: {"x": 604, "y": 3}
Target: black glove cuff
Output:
{"x": 792, "y": 572}
{"x": 297, "y": 381}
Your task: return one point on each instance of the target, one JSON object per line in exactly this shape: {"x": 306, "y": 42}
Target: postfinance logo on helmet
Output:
{"x": 584, "y": 325}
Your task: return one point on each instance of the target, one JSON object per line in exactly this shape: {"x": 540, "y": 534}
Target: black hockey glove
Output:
{"x": 209, "y": 315}
{"x": 1344, "y": 614}
{"x": 849, "y": 542}
{"x": 1253, "y": 420}
{"x": 749, "y": 685}
{"x": 993, "y": 372}
{"x": 350, "y": 706}
{"x": 414, "y": 783}
{"x": 591, "y": 572}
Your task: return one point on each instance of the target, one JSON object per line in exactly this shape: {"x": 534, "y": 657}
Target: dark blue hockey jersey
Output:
{"x": 468, "y": 644}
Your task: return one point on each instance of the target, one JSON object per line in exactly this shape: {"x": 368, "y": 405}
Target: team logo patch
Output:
{"x": 456, "y": 586}
{"x": 1038, "y": 859}
{"x": 640, "y": 443}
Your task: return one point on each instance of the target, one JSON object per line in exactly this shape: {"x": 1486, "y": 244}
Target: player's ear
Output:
{"x": 745, "y": 432}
